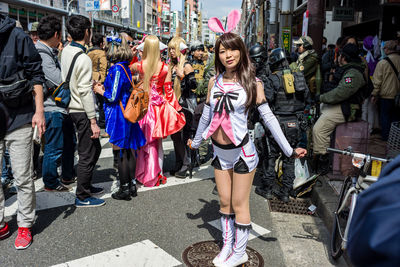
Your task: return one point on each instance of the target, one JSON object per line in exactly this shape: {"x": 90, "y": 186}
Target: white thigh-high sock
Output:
{"x": 160, "y": 155}
{"x": 227, "y": 221}
{"x": 238, "y": 255}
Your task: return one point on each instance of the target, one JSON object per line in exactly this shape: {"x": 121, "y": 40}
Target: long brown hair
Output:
{"x": 245, "y": 72}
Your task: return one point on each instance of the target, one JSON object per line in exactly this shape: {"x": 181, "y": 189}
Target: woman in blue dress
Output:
{"x": 125, "y": 137}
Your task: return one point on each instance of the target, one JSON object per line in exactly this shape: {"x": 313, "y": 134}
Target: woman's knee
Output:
{"x": 240, "y": 206}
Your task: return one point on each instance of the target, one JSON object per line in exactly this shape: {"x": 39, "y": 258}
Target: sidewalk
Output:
{"x": 326, "y": 193}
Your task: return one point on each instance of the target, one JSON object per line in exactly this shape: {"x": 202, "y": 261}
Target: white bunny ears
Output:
{"x": 162, "y": 47}
{"x": 233, "y": 19}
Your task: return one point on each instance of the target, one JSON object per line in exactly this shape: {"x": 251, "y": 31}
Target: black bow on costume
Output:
{"x": 224, "y": 100}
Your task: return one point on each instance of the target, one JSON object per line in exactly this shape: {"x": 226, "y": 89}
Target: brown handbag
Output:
{"x": 137, "y": 104}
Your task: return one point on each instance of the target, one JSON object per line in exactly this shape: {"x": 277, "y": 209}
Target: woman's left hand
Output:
{"x": 300, "y": 152}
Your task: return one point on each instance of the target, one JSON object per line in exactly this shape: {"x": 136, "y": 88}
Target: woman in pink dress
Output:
{"x": 162, "y": 118}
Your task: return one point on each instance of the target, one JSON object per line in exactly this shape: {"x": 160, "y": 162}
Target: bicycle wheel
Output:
{"x": 340, "y": 221}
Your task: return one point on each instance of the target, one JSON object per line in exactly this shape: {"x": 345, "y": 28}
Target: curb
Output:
{"x": 324, "y": 197}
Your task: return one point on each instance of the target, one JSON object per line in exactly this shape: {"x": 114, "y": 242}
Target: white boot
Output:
{"x": 238, "y": 255}
{"x": 227, "y": 221}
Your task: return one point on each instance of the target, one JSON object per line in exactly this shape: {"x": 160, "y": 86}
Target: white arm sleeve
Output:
{"x": 273, "y": 125}
{"x": 203, "y": 123}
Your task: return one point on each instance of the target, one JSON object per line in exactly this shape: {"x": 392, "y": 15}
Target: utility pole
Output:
{"x": 316, "y": 22}
{"x": 64, "y": 34}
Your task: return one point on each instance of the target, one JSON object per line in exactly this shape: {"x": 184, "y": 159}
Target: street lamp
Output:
{"x": 68, "y": 4}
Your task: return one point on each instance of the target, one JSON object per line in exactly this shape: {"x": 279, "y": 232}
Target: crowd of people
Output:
{"x": 196, "y": 96}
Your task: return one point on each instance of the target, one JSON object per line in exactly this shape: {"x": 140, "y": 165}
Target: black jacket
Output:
{"x": 17, "y": 52}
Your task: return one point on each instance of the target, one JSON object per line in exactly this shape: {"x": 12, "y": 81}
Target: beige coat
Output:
{"x": 99, "y": 64}
{"x": 386, "y": 84}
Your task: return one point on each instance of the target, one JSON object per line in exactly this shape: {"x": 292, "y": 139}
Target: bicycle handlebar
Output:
{"x": 352, "y": 154}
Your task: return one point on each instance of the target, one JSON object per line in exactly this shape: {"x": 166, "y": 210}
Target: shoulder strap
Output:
{"x": 126, "y": 73}
{"x": 72, "y": 67}
{"x": 393, "y": 67}
{"x": 47, "y": 52}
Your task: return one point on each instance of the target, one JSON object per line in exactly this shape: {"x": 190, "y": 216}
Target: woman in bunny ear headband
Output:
{"x": 162, "y": 118}
{"x": 125, "y": 137}
{"x": 224, "y": 118}
{"x": 182, "y": 80}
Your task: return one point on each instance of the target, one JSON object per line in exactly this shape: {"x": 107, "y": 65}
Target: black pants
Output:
{"x": 102, "y": 117}
{"x": 89, "y": 151}
{"x": 291, "y": 129}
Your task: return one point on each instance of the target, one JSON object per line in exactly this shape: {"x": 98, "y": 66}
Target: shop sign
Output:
{"x": 286, "y": 33}
{"x": 4, "y": 8}
{"x": 105, "y": 4}
{"x": 125, "y": 9}
{"x": 92, "y": 5}
{"x": 343, "y": 14}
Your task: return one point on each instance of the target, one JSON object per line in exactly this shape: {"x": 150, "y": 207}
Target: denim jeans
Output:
{"x": 6, "y": 172}
{"x": 60, "y": 145}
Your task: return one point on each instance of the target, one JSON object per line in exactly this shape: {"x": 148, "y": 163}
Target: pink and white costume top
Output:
{"x": 227, "y": 109}
{"x": 227, "y": 103}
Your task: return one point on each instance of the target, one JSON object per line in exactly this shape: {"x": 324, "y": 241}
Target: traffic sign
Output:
{"x": 115, "y": 8}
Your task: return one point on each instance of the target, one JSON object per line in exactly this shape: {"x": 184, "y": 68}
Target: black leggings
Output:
{"x": 126, "y": 165}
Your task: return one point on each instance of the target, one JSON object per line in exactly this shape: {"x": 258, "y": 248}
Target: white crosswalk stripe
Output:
{"x": 47, "y": 200}
{"x": 144, "y": 253}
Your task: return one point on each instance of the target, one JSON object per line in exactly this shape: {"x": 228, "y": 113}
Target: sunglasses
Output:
{"x": 298, "y": 45}
{"x": 132, "y": 43}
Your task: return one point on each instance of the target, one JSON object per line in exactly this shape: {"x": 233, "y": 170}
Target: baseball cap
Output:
{"x": 33, "y": 26}
{"x": 304, "y": 40}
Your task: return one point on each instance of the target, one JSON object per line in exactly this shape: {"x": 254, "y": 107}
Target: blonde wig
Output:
{"x": 119, "y": 51}
{"x": 151, "y": 53}
{"x": 181, "y": 59}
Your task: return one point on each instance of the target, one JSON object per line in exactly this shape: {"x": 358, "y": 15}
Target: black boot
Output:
{"x": 132, "y": 189}
{"x": 176, "y": 169}
{"x": 323, "y": 164}
{"x": 283, "y": 194}
{"x": 123, "y": 193}
{"x": 264, "y": 191}
{"x": 182, "y": 173}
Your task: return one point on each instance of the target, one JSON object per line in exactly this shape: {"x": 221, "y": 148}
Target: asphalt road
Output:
{"x": 155, "y": 227}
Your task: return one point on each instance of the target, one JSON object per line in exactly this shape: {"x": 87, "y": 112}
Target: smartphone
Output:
{"x": 36, "y": 137}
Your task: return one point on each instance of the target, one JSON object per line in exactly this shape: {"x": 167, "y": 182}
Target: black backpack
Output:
{"x": 15, "y": 90}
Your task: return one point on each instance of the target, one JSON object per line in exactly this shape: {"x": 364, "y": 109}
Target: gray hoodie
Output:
{"x": 52, "y": 73}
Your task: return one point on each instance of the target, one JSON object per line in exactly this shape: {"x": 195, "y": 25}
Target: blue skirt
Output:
{"x": 123, "y": 133}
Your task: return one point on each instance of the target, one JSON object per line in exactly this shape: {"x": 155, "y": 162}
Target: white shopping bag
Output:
{"x": 301, "y": 173}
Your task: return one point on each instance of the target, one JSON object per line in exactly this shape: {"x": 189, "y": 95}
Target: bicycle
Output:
{"x": 351, "y": 188}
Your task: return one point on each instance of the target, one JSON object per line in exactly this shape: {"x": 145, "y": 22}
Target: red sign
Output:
{"x": 115, "y": 8}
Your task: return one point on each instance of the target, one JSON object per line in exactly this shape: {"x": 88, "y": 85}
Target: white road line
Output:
{"x": 144, "y": 253}
{"x": 107, "y": 152}
{"x": 254, "y": 233}
{"x": 47, "y": 200}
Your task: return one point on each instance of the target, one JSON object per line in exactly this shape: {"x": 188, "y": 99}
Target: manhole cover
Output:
{"x": 295, "y": 206}
{"x": 201, "y": 255}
